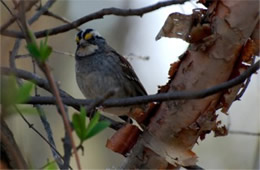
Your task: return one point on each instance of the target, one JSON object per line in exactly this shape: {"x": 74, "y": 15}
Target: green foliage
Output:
{"x": 50, "y": 166}
{"x": 94, "y": 127}
{"x": 23, "y": 92}
{"x": 12, "y": 95}
{"x": 79, "y": 123}
{"x": 40, "y": 53}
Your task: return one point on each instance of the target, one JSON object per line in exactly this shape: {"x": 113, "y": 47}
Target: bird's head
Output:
{"x": 89, "y": 42}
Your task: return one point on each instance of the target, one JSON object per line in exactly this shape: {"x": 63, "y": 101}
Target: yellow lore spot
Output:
{"x": 77, "y": 39}
{"x": 88, "y": 36}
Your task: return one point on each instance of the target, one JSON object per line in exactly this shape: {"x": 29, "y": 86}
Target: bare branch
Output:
{"x": 43, "y": 9}
{"x": 63, "y": 53}
{"x": 100, "y": 100}
{"x": 45, "y": 68}
{"x": 44, "y": 84}
{"x": 57, "y": 156}
{"x": 234, "y": 132}
{"x": 194, "y": 167}
{"x": 8, "y": 9}
{"x": 96, "y": 15}
{"x": 65, "y": 20}
{"x": 12, "y": 20}
{"x": 36, "y": 131}
{"x": 31, "y": 77}
{"x": 245, "y": 85}
{"x": 177, "y": 95}
{"x": 60, "y": 104}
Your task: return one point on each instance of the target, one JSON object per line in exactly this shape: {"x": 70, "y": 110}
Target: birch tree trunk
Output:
{"x": 177, "y": 125}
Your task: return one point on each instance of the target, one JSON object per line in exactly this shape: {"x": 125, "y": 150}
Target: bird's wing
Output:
{"x": 130, "y": 74}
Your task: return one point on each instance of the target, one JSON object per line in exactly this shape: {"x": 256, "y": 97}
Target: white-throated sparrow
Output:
{"x": 99, "y": 69}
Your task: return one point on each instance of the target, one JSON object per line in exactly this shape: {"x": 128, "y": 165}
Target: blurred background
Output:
{"x": 133, "y": 37}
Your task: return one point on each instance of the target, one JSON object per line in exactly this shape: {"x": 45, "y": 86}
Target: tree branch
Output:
{"x": 245, "y": 85}
{"x": 177, "y": 95}
{"x": 57, "y": 156}
{"x": 12, "y": 20}
{"x": 43, "y": 9}
{"x": 45, "y": 68}
{"x": 60, "y": 105}
{"x": 10, "y": 149}
{"x": 63, "y": 19}
{"x": 30, "y": 77}
{"x": 44, "y": 84}
{"x": 234, "y": 132}
{"x": 96, "y": 15}
{"x": 53, "y": 147}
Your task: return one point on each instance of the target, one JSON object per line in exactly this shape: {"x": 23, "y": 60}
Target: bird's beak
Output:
{"x": 83, "y": 43}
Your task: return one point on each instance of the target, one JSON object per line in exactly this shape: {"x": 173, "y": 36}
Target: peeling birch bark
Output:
{"x": 177, "y": 125}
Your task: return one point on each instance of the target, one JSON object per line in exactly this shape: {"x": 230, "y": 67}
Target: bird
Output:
{"x": 100, "y": 69}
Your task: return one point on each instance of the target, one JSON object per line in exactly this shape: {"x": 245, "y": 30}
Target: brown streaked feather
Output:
{"x": 130, "y": 74}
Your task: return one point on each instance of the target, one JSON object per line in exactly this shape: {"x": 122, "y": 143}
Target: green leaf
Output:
{"x": 94, "y": 126}
{"x": 46, "y": 52}
{"x": 23, "y": 92}
{"x": 40, "y": 53}
{"x": 83, "y": 113}
{"x": 97, "y": 128}
{"x": 50, "y": 166}
{"x": 12, "y": 95}
{"x": 34, "y": 50}
{"x": 93, "y": 122}
{"x": 79, "y": 123}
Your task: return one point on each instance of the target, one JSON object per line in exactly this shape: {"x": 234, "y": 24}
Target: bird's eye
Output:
{"x": 77, "y": 39}
{"x": 88, "y": 36}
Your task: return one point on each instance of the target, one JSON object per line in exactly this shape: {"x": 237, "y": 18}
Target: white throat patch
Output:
{"x": 87, "y": 50}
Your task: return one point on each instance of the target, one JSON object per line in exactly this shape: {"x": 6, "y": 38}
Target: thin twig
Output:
{"x": 100, "y": 100}
{"x": 64, "y": 53}
{"x": 177, "y": 95}
{"x": 194, "y": 167}
{"x": 63, "y": 19}
{"x": 96, "y": 15}
{"x": 234, "y": 132}
{"x": 76, "y": 103}
{"x": 45, "y": 68}
{"x": 35, "y": 130}
{"x": 44, "y": 84}
{"x": 30, "y": 77}
{"x": 57, "y": 156}
{"x": 66, "y": 145}
{"x": 13, "y": 54}
{"x": 67, "y": 150}
{"x": 13, "y": 15}
{"x": 43, "y": 9}
{"x": 59, "y": 102}
{"x": 22, "y": 55}
{"x": 12, "y": 20}
{"x": 246, "y": 84}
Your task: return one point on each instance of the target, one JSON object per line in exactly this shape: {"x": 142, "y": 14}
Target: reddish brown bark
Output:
{"x": 11, "y": 157}
{"x": 177, "y": 125}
